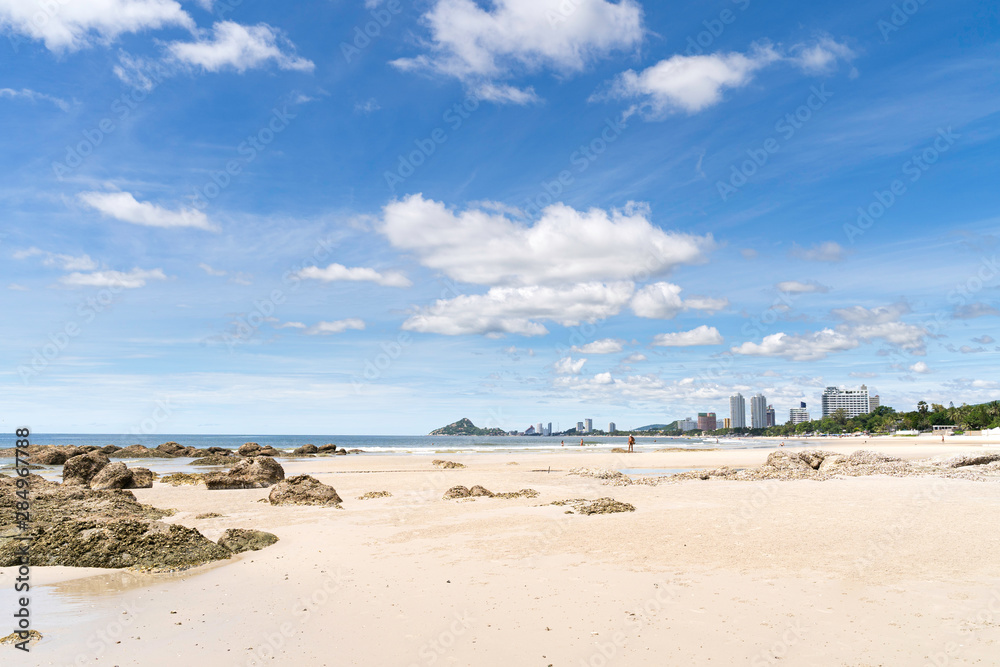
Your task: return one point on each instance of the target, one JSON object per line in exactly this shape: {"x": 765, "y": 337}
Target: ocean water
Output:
{"x": 393, "y": 444}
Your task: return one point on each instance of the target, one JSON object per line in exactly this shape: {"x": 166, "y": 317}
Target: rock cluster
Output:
{"x": 598, "y": 506}
{"x": 478, "y": 491}
{"x": 117, "y": 475}
{"x": 256, "y": 472}
{"x": 303, "y": 490}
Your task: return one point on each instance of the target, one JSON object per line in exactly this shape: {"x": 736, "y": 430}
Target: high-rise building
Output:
{"x": 579, "y": 427}
{"x": 799, "y": 414}
{"x": 548, "y": 429}
{"x": 853, "y": 402}
{"x": 770, "y": 416}
{"x": 873, "y": 403}
{"x": 611, "y": 428}
{"x": 588, "y": 425}
{"x": 726, "y": 422}
{"x": 706, "y": 421}
{"x": 737, "y": 411}
{"x": 758, "y": 411}
{"x": 538, "y": 429}
{"x": 686, "y": 424}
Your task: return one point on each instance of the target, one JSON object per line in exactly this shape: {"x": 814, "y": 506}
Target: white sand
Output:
{"x": 861, "y": 571}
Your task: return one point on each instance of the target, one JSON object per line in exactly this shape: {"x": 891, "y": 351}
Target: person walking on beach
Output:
{"x": 631, "y": 443}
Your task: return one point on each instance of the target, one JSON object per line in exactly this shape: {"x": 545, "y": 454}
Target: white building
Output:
{"x": 799, "y": 414}
{"x": 737, "y": 411}
{"x": 687, "y": 424}
{"x": 539, "y": 429}
{"x": 588, "y": 425}
{"x": 758, "y": 411}
{"x": 853, "y": 402}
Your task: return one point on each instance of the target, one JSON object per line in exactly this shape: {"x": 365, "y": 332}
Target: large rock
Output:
{"x": 219, "y": 450}
{"x": 79, "y": 470}
{"x": 329, "y": 447}
{"x": 172, "y": 449}
{"x": 112, "y": 476}
{"x": 268, "y": 451}
{"x": 303, "y": 490}
{"x": 238, "y": 540}
{"x": 140, "y": 452}
{"x": 248, "y": 449}
{"x": 214, "y": 460}
{"x": 306, "y": 449}
{"x": 142, "y": 478}
{"x": 50, "y": 457}
{"x": 109, "y": 449}
{"x": 257, "y": 472}
{"x": 480, "y": 491}
{"x": 457, "y": 492}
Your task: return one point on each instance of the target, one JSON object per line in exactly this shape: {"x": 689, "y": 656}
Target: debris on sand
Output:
{"x": 447, "y": 464}
{"x": 209, "y": 515}
{"x": 523, "y": 493}
{"x": 598, "y": 506}
{"x": 34, "y": 636}
{"x": 375, "y": 494}
{"x": 479, "y": 491}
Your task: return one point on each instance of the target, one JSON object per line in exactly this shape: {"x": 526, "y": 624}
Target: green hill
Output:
{"x": 657, "y": 427}
{"x": 464, "y": 426}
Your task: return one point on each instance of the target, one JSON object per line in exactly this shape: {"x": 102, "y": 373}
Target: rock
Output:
{"x": 179, "y": 478}
{"x": 112, "y": 476}
{"x": 86, "y": 449}
{"x": 257, "y": 472}
{"x": 341, "y": 452}
{"x": 866, "y": 457}
{"x": 79, "y": 470}
{"x": 375, "y": 494}
{"x": 34, "y": 636}
{"x": 960, "y": 461}
{"x": 214, "y": 460}
{"x": 49, "y": 457}
{"x": 141, "y": 452}
{"x": 269, "y": 451}
{"x": 109, "y": 449}
{"x": 457, "y": 492}
{"x": 446, "y": 464}
{"x": 480, "y": 491}
{"x": 238, "y": 540}
{"x": 303, "y": 490}
{"x": 306, "y": 449}
{"x": 209, "y": 515}
{"x": 786, "y": 461}
{"x": 598, "y": 506}
{"x": 191, "y": 451}
{"x": 248, "y": 449}
{"x": 523, "y": 493}
{"x": 327, "y": 448}
{"x": 142, "y": 478}
{"x": 172, "y": 448}
{"x": 220, "y": 450}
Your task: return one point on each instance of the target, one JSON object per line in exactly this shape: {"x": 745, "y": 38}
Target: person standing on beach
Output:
{"x": 581, "y": 442}
{"x": 631, "y": 443}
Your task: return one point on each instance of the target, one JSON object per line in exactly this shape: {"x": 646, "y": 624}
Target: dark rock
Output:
{"x": 109, "y": 449}
{"x": 340, "y": 452}
{"x": 327, "y": 448}
{"x": 257, "y": 472}
{"x": 355, "y": 451}
{"x": 303, "y": 490}
{"x": 238, "y": 540}
{"x": 49, "y": 457}
{"x": 86, "y": 449}
{"x": 172, "y": 448}
{"x": 79, "y": 470}
{"x": 142, "y": 478}
{"x": 112, "y": 476}
{"x": 220, "y": 450}
{"x": 306, "y": 449}
{"x": 269, "y": 451}
{"x": 248, "y": 449}
{"x": 214, "y": 460}
{"x": 179, "y": 478}
{"x": 447, "y": 464}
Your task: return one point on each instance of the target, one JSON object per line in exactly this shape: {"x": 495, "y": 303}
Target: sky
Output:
{"x": 332, "y": 217}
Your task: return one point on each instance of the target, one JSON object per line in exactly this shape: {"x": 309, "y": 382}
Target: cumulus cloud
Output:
{"x": 335, "y": 327}
{"x": 567, "y": 366}
{"x": 660, "y": 301}
{"x": 796, "y": 287}
{"x": 125, "y": 207}
{"x": 517, "y": 310}
{"x": 920, "y": 367}
{"x": 34, "y": 96}
{"x": 974, "y": 310}
{"x": 481, "y": 46}
{"x": 809, "y": 346}
{"x": 703, "y": 335}
{"x": 634, "y": 358}
{"x": 489, "y": 248}
{"x": 693, "y": 83}
{"x": 828, "y": 251}
{"x": 603, "y": 346}
{"x": 339, "y": 272}
{"x": 238, "y": 47}
{"x": 706, "y": 304}
{"x": 65, "y": 262}
{"x": 121, "y": 279}
{"x": 69, "y": 26}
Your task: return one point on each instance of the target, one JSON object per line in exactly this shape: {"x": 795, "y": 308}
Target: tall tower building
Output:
{"x": 611, "y": 428}
{"x": 579, "y": 427}
{"x": 873, "y": 403}
{"x": 538, "y": 429}
{"x": 737, "y": 411}
{"x": 548, "y": 429}
{"x": 588, "y": 425}
{"x": 799, "y": 414}
{"x": 853, "y": 402}
{"x": 758, "y": 411}
{"x": 770, "y": 415}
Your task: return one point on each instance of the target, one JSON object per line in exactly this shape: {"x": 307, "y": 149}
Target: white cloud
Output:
{"x": 337, "y": 272}
{"x": 703, "y": 335}
{"x": 603, "y": 346}
{"x": 634, "y": 357}
{"x": 660, "y": 301}
{"x": 690, "y": 83}
{"x": 705, "y": 303}
{"x": 828, "y": 251}
{"x": 293, "y": 325}
{"x": 335, "y": 327}
{"x": 694, "y": 83}
{"x": 877, "y": 315}
{"x": 974, "y": 310}
{"x": 796, "y": 287}
{"x": 858, "y": 374}
{"x": 239, "y": 47}
{"x": 563, "y": 246}
{"x": 809, "y": 346}
{"x": 566, "y": 366}
{"x": 34, "y": 96}
{"x": 920, "y": 367}
{"x": 126, "y": 280}
{"x": 65, "y": 262}
{"x": 514, "y": 310}
{"x": 210, "y": 271}
{"x": 68, "y": 26}
{"x": 125, "y": 207}
{"x": 480, "y": 45}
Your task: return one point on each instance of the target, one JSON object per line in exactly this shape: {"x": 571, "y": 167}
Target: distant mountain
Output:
{"x": 657, "y": 427}
{"x": 464, "y": 426}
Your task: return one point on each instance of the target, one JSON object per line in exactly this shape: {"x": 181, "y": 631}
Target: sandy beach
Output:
{"x": 851, "y": 571}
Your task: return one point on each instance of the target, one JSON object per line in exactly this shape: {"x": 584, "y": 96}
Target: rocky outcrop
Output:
{"x": 306, "y": 449}
{"x": 112, "y": 476}
{"x": 269, "y": 451}
{"x": 219, "y": 450}
{"x": 257, "y": 472}
{"x": 327, "y": 448}
{"x": 598, "y": 506}
{"x": 340, "y": 452}
{"x": 248, "y": 449}
{"x": 49, "y": 457}
{"x": 140, "y": 452}
{"x": 238, "y": 540}
{"x": 457, "y": 492}
{"x": 478, "y": 490}
{"x": 172, "y": 449}
{"x": 523, "y": 493}
{"x": 142, "y": 478}
{"x": 79, "y": 470}
{"x": 108, "y": 450}
{"x": 961, "y": 461}
{"x": 303, "y": 490}
{"x": 214, "y": 460}
{"x": 179, "y": 478}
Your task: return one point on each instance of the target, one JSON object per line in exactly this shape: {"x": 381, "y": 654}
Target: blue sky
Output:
{"x": 228, "y": 217}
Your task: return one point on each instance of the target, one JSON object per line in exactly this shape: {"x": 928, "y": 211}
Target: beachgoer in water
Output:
{"x": 631, "y": 443}
{"x": 581, "y": 442}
